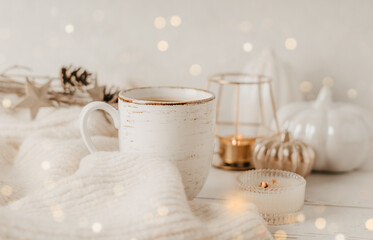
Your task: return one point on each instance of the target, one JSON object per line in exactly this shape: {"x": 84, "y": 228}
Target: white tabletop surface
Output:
{"x": 344, "y": 201}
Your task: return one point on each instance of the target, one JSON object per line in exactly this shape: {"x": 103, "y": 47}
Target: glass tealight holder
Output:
{"x": 278, "y": 195}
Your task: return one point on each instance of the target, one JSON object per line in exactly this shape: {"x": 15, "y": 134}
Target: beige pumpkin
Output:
{"x": 284, "y": 153}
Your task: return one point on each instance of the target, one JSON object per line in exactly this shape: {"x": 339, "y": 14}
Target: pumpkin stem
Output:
{"x": 324, "y": 98}
{"x": 285, "y": 136}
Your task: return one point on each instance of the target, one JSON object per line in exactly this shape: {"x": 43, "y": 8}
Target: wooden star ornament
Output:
{"x": 36, "y": 97}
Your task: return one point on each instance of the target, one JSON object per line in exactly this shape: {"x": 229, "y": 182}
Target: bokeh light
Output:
{"x": 247, "y": 47}
{"x": 320, "y": 223}
{"x": 280, "y": 235}
{"x": 369, "y": 224}
{"x": 6, "y": 103}
{"x": 118, "y": 190}
{"x": 351, "y": 93}
{"x": 160, "y": 22}
{"x": 301, "y": 217}
{"x": 162, "y": 46}
{"x": 45, "y": 165}
{"x": 69, "y": 28}
{"x": 195, "y": 69}
{"x": 57, "y": 213}
{"x": 175, "y": 21}
{"x": 306, "y": 86}
{"x": 96, "y": 227}
{"x": 6, "y": 190}
{"x": 235, "y": 203}
{"x": 291, "y": 43}
{"x": 328, "y": 81}
{"x": 340, "y": 236}
{"x": 162, "y": 211}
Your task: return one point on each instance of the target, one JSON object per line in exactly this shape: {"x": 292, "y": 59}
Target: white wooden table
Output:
{"x": 344, "y": 201}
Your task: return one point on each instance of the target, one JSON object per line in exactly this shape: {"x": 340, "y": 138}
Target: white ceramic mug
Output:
{"x": 174, "y": 123}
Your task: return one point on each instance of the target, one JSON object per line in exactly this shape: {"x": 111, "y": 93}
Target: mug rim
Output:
{"x": 150, "y": 102}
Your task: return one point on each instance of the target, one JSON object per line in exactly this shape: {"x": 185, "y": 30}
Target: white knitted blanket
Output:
{"x": 51, "y": 188}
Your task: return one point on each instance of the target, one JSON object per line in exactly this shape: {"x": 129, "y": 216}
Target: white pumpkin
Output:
{"x": 340, "y": 133}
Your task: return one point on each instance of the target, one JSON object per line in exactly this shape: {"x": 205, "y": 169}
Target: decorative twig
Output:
{"x": 77, "y": 87}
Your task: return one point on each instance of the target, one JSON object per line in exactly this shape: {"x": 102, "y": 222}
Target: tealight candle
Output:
{"x": 278, "y": 195}
{"x": 236, "y": 150}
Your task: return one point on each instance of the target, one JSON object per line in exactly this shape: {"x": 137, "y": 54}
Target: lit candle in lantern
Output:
{"x": 236, "y": 150}
{"x": 237, "y": 135}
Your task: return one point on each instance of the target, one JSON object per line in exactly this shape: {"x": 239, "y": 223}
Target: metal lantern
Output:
{"x": 245, "y": 112}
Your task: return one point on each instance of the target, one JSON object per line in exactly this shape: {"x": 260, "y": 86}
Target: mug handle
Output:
{"x": 83, "y": 118}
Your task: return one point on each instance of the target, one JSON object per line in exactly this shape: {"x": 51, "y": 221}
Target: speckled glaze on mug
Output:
{"x": 173, "y": 123}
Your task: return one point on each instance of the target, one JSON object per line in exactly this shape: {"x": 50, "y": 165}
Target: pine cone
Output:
{"x": 111, "y": 95}
{"x": 74, "y": 78}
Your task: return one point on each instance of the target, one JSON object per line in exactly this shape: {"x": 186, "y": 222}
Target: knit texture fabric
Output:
{"x": 52, "y": 188}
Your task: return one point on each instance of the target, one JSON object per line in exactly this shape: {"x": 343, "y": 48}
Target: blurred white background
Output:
{"x": 174, "y": 42}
